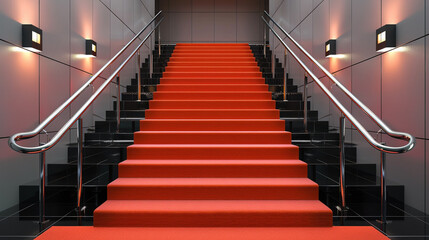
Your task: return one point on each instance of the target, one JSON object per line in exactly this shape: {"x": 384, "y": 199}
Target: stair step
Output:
{"x": 212, "y": 104}
{"x": 213, "y": 151}
{"x": 212, "y": 189}
{"x": 212, "y": 114}
{"x": 248, "y": 63}
{"x": 212, "y": 137}
{"x": 211, "y": 80}
{"x": 212, "y": 69}
{"x": 212, "y": 125}
{"x": 212, "y": 213}
{"x": 221, "y": 51}
{"x": 215, "y": 45}
{"x": 212, "y": 59}
{"x": 212, "y": 168}
{"x": 188, "y": 233}
{"x": 213, "y": 87}
{"x": 213, "y": 95}
{"x": 212, "y": 54}
{"x": 212, "y": 74}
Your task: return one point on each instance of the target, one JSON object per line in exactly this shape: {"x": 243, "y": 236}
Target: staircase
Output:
{"x": 211, "y": 158}
{"x": 202, "y": 157}
{"x": 105, "y": 148}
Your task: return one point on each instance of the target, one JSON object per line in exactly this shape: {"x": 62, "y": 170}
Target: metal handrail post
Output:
{"x": 139, "y": 77}
{"x": 159, "y": 41}
{"x": 150, "y": 58}
{"x": 273, "y": 63}
{"x": 305, "y": 103}
{"x": 342, "y": 139}
{"x": 118, "y": 104}
{"x": 383, "y": 189}
{"x": 265, "y": 41}
{"x": 79, "y": 138}
{"x": 42, "y": 186}
{"x": 285, "y": 77}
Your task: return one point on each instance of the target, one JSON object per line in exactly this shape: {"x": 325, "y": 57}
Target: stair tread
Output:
{"x": 211, "y": 162}
{"x": 212, "y": 182}
{"x": 213, "y": 146}
{"x": 211, "y": 120}
{"x": 207, "y": 206}
{"x": 214, "y": 132}
{"x": 230, "y": 233}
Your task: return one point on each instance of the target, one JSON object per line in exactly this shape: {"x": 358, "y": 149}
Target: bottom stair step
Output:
{"x": 213, "y": 213}
{"x": 320, "y": 233}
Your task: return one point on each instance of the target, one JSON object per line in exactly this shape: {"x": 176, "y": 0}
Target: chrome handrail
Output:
{"x": 76, "y": 118}
{"x": 346, "y": 114}
{"x": 41, "y": 148}
{"x": 399, "y": 135}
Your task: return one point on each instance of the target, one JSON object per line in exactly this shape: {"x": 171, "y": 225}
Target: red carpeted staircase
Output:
{"x": 213, "y": 156}
{"x": 213, "y": 153}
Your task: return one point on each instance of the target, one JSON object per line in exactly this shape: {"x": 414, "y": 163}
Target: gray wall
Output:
{"x": 211, "y": 20}
{"x": 394, "y": 84}
{"x": 33, "y": 85}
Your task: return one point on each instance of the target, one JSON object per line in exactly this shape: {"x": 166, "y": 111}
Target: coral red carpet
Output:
{"x": 212, "y": 160}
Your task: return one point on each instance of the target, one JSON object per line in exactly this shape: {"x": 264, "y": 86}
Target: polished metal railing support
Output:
{"x": 42, "y": 186}
{"x": 139, "y": 77}
{"x": 118, "y": 103}
{"x": 304, "y": 91}
{"x": 273, "y": 63}
{"x": 265, "y": 41}
{"x": 383, "y": 197}
{"x": 79, "y": 138}
{"x": 151, "y": 65}
{"x": 285, "y": 77}
{"x": 342, "y": 140}
{"x": 159, "y": 41}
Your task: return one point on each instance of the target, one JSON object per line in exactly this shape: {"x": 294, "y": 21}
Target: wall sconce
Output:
{"x": 32, "y": 38}
{"x": 386, "y": 38}
{"x": 90, "y": 48}
{"x": 330, "y": 48}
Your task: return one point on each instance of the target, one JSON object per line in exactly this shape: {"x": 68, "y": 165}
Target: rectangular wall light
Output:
{"x": 386, "y": 38}
{"x": 90, "y": 48}
{"x": 330, "y": 48}
{"x": 32, "y": 38}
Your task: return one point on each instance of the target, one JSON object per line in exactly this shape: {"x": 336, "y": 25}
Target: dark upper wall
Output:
{"x": 211, "y": 20}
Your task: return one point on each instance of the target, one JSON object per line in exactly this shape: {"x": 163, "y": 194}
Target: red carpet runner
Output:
{"x": 212, "y": 154}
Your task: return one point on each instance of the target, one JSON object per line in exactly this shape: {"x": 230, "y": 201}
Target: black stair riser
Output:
{"x": 132, "y": 105}
{"x": 94, "y": 154}
{"x": 312, "y": 126}
{"x": 292, "y": 105}
{"x": 325, "y": 154}
{"x": 356, "y": 174}
{"x": 144, "y": 88}
{"x": 111, "y": 126}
